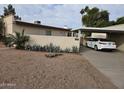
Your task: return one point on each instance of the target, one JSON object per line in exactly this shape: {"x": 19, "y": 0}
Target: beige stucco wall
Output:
{"x": 62, "y": 41}
{"x": 8, "y": 21}
{"x": 38, "y": 30}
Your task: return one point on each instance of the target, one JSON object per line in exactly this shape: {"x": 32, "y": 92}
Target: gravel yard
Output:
{"x": 24, "y": 69}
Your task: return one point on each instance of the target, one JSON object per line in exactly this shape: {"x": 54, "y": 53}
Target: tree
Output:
{"x": 120, "y": 20}
{"x": 19, "y": 39}
{"x": 94, "y": 17}
{"x": 9, "y": 10}
{"x": 104, "y": 15}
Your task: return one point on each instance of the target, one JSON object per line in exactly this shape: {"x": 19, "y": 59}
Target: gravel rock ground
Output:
{"x": 24, "y": 69}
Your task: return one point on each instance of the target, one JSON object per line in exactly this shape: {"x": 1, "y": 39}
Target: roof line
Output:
{"x": 86, "y": 28}
{"x": 40, "y": 25}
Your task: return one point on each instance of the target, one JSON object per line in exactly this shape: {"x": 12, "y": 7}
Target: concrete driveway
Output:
{"x": 109, "y": 63}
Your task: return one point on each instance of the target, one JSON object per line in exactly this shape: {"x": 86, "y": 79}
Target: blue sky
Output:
{"x": 61, "y": 14}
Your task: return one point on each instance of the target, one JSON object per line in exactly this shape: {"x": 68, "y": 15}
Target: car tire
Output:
{"x": 96, "y": 48}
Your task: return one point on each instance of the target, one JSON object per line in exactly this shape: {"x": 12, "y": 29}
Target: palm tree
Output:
{"x": 9, "y": 10}
{"x": 19, "y": 39}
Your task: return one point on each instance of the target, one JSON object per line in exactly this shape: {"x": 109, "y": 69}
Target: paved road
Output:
{"x": 109, "y": 63}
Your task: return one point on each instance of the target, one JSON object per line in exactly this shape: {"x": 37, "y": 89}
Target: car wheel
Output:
{"x": 96, "y": 48}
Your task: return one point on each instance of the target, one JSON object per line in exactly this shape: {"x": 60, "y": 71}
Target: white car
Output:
{"x": 99, "y": 44}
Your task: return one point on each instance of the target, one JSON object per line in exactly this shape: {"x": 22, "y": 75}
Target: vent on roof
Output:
{"x": 37, "y": 22}
{"x": 17, "y": 18}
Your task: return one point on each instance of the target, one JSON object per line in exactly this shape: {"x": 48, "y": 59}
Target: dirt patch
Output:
{"x": 24, "y": 69}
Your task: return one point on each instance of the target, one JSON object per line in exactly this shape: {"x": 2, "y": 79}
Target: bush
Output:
{"x": 57, "y": 49}
{"x": 48, "y": 48}
{"x": 51, "y": 48}
{"x": 19, "y": 39}
{"x": 34, "y": 47}
{"x": 67, "y": 50}
{"x": 75, "y": 49}
{"x": 8, "y": 41}
{"x": 28, "y": 47}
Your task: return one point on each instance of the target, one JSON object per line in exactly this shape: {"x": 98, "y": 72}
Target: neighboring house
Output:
{"x": 114, "y": 33}
{"x": 41, "y": 34}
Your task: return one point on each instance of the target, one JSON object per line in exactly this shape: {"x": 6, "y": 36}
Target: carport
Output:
{"x": 116, "y": 35}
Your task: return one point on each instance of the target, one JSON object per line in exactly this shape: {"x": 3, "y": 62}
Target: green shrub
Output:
{"x": 8, "y": 41}
{"x": 28, "y": 47}
{"x": 51, "y": 48}
{"x": 57, "y": 49}
{"x": 75, "y": 49}
{"x": 47, "y": 48}
{"x": 38, "y": 48}
{"x": 34, "y": 48}
{"x": 19, "y": 39}
{"x": 67, "y": 50}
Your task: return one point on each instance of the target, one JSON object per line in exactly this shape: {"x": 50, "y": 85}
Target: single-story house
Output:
{"x": 114, "y": 33}
{"x": 36, "y": 28}
{"x": 41, "y": 34}
{"x": 44, "y": 35}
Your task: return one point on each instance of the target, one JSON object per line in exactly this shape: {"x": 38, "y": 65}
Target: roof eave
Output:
{"x": 43, "y": 26}
{"x": 100, "y": 30}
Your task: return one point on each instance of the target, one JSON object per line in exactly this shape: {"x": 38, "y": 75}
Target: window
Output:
{"x": 62, "y": 33}
{"x": 48, "y": 32}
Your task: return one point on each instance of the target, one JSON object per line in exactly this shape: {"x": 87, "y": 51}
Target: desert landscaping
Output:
{"x": 26, "y": 69}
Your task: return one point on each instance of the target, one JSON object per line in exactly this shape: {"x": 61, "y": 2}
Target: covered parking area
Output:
{"x": 113, "y": 34}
